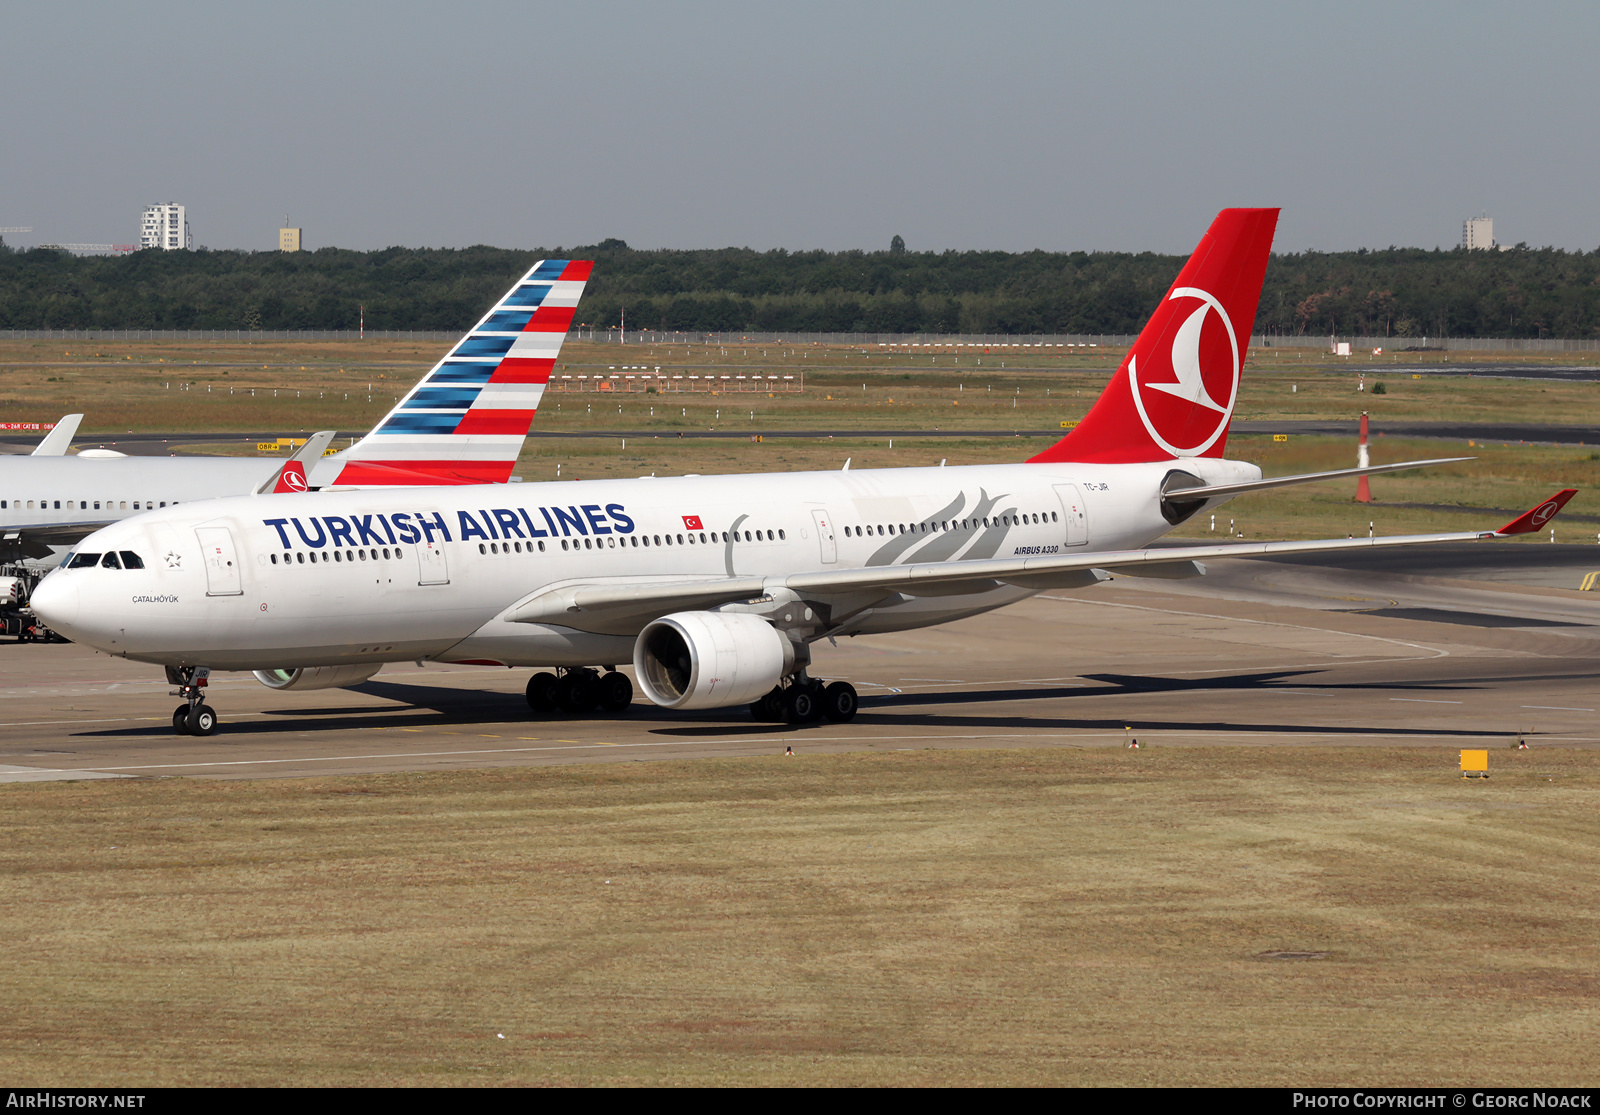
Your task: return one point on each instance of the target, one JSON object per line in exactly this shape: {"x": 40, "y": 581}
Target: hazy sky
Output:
{"x": 810, "y": 124}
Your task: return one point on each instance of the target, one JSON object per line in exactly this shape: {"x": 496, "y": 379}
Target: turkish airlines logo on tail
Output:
{"x": 1186, "y": 401}
{"x": 1545, "y": 512}
{"x": 291, "y": 479}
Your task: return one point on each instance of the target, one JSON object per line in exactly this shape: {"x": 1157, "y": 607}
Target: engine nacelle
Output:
{"x": 317, "y": 677}
{"x": 693, "y": 660}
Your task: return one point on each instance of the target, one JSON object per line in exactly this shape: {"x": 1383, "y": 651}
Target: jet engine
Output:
{"x": 317, "y": 677}
{"x": 692, "y": 660}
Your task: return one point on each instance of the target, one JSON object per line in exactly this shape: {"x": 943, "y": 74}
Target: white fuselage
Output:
{"x": 38, "y": 494}
{"x": 341, "y": 578}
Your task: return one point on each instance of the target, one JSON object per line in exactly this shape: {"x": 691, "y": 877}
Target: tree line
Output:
{"x": 1395, "y": 292}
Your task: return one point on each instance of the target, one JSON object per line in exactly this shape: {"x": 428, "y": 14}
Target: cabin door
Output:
{"x": 221, "y": 561}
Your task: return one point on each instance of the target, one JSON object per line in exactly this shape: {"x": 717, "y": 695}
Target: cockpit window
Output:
{"x": 110, "y": 562}
{"x": 131, "y": 560}
{"x": 84, "y": 561}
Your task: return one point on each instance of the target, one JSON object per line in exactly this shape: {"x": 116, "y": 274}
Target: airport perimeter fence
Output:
{"x": 1358, "y": 345}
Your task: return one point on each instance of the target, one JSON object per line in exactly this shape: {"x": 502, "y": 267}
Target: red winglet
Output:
{"x": 291, "y": 478}
{"x": 1539, "y": 516}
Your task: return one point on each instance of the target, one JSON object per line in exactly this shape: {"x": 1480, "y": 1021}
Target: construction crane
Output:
{"x": 16, "y": 228}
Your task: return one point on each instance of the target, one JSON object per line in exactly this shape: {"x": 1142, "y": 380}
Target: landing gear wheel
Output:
{"x": 768, "y": 707}
{"x": 800, "y": 704}
{"x": 616, "y": 692}
{"x": 180, "y": 720}
{"x": 202, "y": 721}
{"x": 543, "y": 693}
{"x": 839, "y": 702}
{"x": 580, "y": 691}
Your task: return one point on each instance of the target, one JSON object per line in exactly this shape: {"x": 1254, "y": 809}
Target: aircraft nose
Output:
{"x": 57, "y": 602}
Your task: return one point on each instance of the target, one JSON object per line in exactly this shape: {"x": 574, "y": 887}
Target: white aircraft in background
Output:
{"x": 714, "y": 587}
{"x": 464, "y": 423}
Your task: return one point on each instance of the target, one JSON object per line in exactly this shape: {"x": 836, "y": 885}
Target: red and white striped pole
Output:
{"x": 1363, "y": 491}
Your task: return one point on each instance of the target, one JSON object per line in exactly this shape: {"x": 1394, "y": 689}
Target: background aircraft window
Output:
{"x": 482, "y": 549}
{"x": 84, "y": 561}
{"x": 110, "y": 562}
{"x": 83, "y": 504}
{"x": 274, "y": 558}
{"x": 782, "y": 537}
{"x": 124, "y": 506}
{"x": 131, "y": 560}
{"x": 300, "y": 559}
{"x": 541, "y": 547}
{"x": 58, "y": 505}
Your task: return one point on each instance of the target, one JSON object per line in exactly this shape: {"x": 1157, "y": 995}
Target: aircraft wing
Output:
{"x": 55, "y": 443}
{"x": 626, "y": 606}
{"x": 291, "y": 477}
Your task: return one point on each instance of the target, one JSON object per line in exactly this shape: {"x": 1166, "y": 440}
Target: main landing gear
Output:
{"x": 579, "y": 691}
{"x": 805, "y": 700}
{"x": 194, "y": 717}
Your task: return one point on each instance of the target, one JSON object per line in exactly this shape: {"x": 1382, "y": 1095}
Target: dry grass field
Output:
{"x": 184, "y": 386}
{"x": 1054, "y": 916}
{"x": 293, "y": 387}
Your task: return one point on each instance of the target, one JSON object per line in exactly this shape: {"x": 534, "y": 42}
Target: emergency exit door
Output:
{"x": 825, "y": 538}
{"x": 1073, "y": 514}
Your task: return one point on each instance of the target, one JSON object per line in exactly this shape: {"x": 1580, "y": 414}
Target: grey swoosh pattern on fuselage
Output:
{"x": 946, "y": 544}
{"x": 900, "y": 543}
{"x": 989, "y": 541}
{"x": 727, "y": 554}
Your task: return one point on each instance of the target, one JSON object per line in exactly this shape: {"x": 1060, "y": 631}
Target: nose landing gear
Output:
{"x": 194, "y": 717}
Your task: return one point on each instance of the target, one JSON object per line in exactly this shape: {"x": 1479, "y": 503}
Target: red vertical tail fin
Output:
{"x": 1174, "y": 394}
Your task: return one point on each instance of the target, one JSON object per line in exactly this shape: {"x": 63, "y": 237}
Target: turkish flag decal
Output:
{"x": 692, "y": 522}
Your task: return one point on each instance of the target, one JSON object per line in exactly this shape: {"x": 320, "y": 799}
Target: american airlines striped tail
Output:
{"x": 466, "y": 421}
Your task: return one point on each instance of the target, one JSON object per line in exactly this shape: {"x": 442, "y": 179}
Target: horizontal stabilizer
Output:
{"x": 1215, "y": 491}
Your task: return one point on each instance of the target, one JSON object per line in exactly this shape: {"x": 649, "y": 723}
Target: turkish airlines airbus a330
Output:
{"x": 714, "y": 587}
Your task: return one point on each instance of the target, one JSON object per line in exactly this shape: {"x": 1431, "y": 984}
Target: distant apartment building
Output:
{"x": 165, "y": 227}
{"x": 1477, "y": 233}
{"x": 288, "y": 240}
